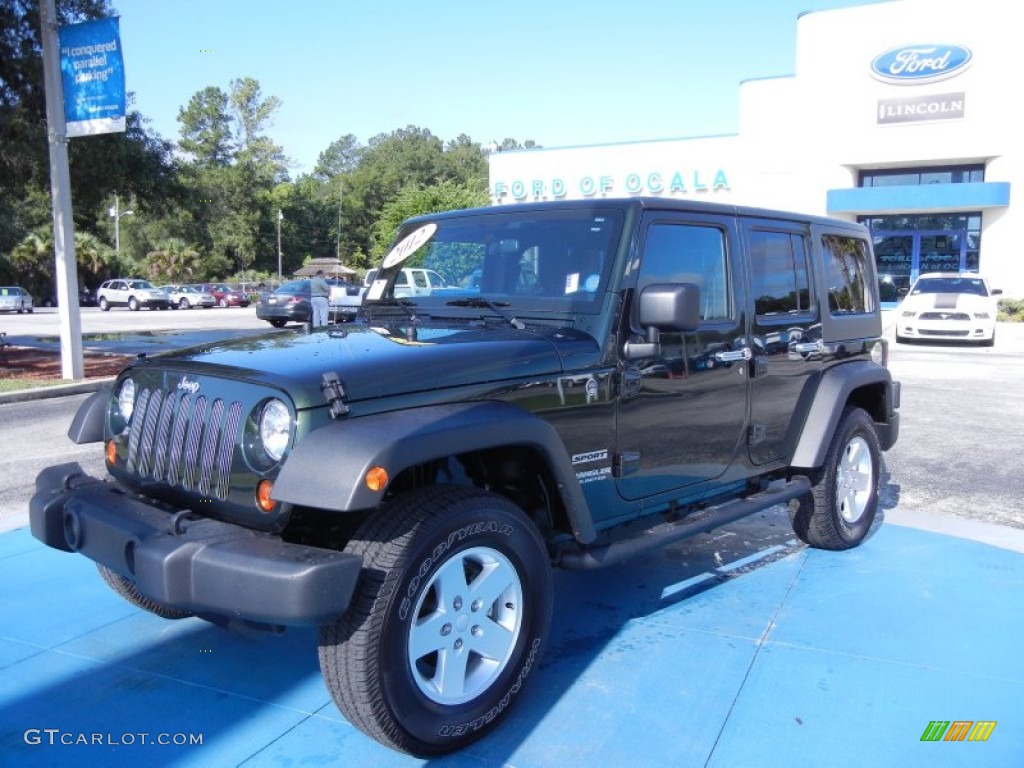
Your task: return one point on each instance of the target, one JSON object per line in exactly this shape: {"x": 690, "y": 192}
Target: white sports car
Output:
{"x": 948, "y": 306}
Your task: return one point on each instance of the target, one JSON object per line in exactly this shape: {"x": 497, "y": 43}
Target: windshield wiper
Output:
{"x": 495, "y": 306}
{"x": 405, "y": 305}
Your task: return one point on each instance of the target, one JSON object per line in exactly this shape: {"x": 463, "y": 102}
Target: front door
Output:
{"x": 682, "y": 414}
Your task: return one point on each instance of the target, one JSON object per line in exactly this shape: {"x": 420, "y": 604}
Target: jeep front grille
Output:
{"x": 184, "y": 440}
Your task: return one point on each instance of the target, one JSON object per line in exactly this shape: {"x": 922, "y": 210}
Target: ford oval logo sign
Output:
{"x": 913, "y": 64}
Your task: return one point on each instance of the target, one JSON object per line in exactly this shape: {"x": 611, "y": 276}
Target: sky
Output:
{"x": 559, "y": 72}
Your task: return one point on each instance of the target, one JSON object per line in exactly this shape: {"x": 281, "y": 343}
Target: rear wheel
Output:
{"x": 127, "y": 589}
{"x": 838, "y": 512}
{"x": 449, "y": 619}
{"x": 133, "y": 304}
{"x": 183, "y": 304}
{"x": 224, "y": 303}
{"x": 104, "y": 305}
{"x": 277, "y": 322}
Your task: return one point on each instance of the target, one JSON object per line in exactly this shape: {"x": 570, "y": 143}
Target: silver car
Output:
{"x": 15, "y": 299}
{"x": 133, "y": 293}
{"x": 188, "y": 297}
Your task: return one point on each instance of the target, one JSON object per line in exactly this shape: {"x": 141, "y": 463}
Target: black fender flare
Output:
{"x": 327, "y": 467}
{"x": 834, "y": 389}
{"x": 90, "y": 419}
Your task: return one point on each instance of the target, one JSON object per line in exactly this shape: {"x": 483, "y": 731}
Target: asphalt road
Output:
{"x": 961, "y": 441}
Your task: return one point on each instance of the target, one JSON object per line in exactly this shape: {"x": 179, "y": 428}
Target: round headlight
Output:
{"x": 275, "y": 428}
{"x": 126, "y": 399}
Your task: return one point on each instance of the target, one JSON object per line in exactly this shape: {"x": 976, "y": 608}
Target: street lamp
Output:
{"x": 280, "y": 216}
{"x": 117, "y": 213}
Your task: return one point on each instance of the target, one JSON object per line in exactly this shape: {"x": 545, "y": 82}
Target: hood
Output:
{"x": 949, "y": 302}
{"x": 375, "y": 363}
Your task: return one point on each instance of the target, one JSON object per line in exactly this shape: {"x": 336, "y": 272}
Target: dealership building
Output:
{"x": 900, "y": 115}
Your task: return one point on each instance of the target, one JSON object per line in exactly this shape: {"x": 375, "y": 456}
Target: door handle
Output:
{"x": 734, "y": 355}
{"x": 807, "y": 347}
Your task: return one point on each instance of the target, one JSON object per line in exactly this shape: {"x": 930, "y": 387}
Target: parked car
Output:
{"x": 289, "y": 302}
{"x": 133, "y": 293}
{"x": 225, "y": 295}
{"x": 15, "y": 299}
{"x": 86, "y": 298}
{"x": 949, "y": 306}
{"x": 188, "y": 297}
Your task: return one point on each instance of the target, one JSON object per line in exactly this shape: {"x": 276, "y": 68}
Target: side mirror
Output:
{"x": 664, "y": 307}
{"x": 997, "y": 291}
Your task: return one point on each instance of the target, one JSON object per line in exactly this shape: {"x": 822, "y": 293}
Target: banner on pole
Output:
{"x": 92, "y": 70}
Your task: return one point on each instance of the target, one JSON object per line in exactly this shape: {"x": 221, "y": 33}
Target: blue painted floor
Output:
{"x": 782, "y": 657}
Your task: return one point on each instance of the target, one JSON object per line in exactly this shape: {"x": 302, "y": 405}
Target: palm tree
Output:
{"x": 175, "y": 262}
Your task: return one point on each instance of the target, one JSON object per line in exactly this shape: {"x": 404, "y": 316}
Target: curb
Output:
{"x": 57, "y": 390}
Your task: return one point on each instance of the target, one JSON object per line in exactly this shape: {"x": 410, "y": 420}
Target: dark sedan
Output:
{"x": 289, "y": 303}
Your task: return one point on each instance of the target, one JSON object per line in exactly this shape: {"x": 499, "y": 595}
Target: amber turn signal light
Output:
{"x": 376, "y": 478}
{"x": 263, "y": 500}
{"x": 110, "y": 452}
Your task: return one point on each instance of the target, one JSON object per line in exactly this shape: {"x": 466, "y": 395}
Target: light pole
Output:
{"x": 117, "y": 213}
{"x": 279, "y": 217}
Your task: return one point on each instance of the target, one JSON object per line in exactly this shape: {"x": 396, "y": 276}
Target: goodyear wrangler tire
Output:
{"x": 448, "y": 621}
{"x": 128, "y": 591}
{"x": 841, "y": 507}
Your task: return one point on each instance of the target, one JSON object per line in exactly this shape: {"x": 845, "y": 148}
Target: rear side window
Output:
{"x": 780, "y": 284}
{"x": 846, "y": 271}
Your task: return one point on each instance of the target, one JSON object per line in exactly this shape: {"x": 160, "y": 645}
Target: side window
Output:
{"x": 689, "y": 253}
{"x": 846, "y": 270}
{"x": 420, "y": 279}
{"x": 779, "y": 280}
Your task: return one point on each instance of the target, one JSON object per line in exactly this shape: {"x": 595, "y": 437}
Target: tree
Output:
{"x": 174, "y": 262}
{"x": 32, "y": 260}
{"x": 341, "y": 156}
{"x": 415, "y": 201}
{"x": 206, "y": 132}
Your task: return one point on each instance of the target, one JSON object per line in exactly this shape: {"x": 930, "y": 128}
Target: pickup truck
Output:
{"x": 347, "y": 299}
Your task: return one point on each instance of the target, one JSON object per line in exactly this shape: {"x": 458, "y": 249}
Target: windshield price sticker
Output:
{"x": 409, "y": 245}
{"x": 377, "y": 289}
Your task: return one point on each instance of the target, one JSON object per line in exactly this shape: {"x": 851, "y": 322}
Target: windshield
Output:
{"x": 950, "y": 285}
{"x": 549, "y": 261}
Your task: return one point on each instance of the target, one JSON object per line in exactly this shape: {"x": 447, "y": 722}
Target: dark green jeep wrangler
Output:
{"x": 595, "y": 379}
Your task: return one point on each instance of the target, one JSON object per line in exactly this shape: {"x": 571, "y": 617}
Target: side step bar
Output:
{"x": 699, "y": 522}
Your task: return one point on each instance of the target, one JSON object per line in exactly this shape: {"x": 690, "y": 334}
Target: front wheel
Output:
{"x": 838, "y": 512}
{"x": 129, "y": 592}
{"x": 183, "y": 304}
{"x": 224, "y": 303}
{"x": 449, "y": 619}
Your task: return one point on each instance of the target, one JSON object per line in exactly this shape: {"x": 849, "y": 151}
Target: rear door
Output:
{"x": 682, "y": 414}
{"x": 786, "y": 334}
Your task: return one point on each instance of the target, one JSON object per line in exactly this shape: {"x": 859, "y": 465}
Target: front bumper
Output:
{"x": 946, "y": 331}
{"x": 207, "y": 567}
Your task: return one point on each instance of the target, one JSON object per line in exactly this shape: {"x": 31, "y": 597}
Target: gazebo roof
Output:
{"x": 331, "y": 268}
